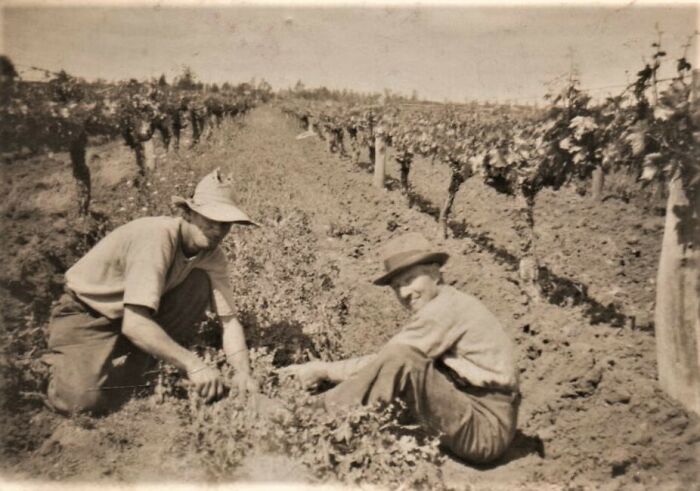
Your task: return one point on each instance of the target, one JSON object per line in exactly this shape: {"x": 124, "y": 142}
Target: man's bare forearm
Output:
{"x": 234, "y": 345}
{"x": 338, "y": 371}
{"x": 140, "y": 328}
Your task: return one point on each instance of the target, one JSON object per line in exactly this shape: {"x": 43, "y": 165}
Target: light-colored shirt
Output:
{"x": 138, "y": 262}
{"x": 459, "y": 330}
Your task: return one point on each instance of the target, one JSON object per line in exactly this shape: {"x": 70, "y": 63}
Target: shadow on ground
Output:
{"x": 286, "y": 338}
{"x": 557, "y": 289}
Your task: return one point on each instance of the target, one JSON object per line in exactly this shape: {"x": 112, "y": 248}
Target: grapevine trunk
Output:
{"x": 405, "y": 168}
{"x": 597, "y": 184}
{"x": 81, "y": 172}
{"x": 528, "y": 268}
{"x": 456, "y": 180}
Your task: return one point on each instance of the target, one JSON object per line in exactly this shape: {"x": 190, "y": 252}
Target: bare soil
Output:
{"x": 592, "y": 414}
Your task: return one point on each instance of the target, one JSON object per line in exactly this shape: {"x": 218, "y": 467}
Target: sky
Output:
{"x": 458, "y": 51}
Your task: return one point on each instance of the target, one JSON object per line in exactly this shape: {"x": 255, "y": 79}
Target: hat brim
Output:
{"x": 414, "y": 260}
{"x": 219, "y": 212}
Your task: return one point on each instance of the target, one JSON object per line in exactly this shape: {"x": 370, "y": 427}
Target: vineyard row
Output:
{"x": 61, "y": 115}
{"x": 650, "y": 133}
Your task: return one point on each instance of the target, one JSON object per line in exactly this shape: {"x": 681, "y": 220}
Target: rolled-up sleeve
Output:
{"x": 146, "y": 265}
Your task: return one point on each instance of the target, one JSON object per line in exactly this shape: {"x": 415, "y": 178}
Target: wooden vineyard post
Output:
{"x": 379, "y": 161}
{"x": 328, "y": 135}
{"x": 149, "y": 154}
{"x": 309, "y": 124}
{"x": 677, "y": 312}
{"x": 597, "y": 184}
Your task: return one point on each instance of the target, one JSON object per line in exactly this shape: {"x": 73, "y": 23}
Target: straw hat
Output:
{"x": 212, "y": 199}
{"x": 407, "y": 250}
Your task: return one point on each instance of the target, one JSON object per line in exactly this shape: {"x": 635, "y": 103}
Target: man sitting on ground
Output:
{"x": 452, "y": 364}
{"x": 138, "y": 293}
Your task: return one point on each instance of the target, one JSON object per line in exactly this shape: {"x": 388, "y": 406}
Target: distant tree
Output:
{"x": 162, "y": 82}
{"x": 226, "y": 87}
{"x": 187, "y": 80}
{"x": 264, "y": 86}
{"x": 387, "y": 95}
{"x": 244, "y": 88}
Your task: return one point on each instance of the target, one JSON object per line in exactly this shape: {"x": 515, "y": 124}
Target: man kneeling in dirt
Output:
{"x": 452, "y": 364}
{"x": 139, "y": 293}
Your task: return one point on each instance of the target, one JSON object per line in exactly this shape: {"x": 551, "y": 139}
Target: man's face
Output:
{"x": 417, "y": 286}
{"x": 206, "y": 233}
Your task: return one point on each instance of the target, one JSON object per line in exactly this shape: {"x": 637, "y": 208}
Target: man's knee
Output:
{"x": 479, "y": 452}
{"x": 70, "y": 398}
{"x": 480, "y": 439}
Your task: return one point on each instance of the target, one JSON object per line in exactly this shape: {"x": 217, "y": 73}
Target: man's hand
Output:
{"x": 207, "y": 382}
{"x": 139, "y": 327}
{"x": 245, "y": 383}
{"x": 308, "y": 374}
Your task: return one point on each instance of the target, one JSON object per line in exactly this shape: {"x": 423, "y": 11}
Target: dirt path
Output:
{"x": 591, "y": 412}
{"x": 350, "y": 218}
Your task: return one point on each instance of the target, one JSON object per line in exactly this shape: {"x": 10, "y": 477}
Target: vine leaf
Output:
{"x": 663, "y": 113}
{"x": 683, "y": 65}
{"x": 650, "y": 167}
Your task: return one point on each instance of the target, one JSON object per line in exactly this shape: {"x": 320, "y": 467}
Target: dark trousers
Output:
{"x": 476, "y": 424}
{"x": 94, "y": 367}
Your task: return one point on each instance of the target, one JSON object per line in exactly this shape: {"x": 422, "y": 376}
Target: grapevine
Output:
{"x": 653, "y": 136}
{"x": 63, "y": 113}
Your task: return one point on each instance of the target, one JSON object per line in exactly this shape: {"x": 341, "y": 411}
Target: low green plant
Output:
{"x": 357, "y": 446}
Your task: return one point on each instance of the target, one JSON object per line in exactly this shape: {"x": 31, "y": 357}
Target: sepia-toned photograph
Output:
{"x": 368, "y": 244}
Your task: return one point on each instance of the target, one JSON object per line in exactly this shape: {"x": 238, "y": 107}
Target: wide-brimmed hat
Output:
{"x": 212, "y": 199}
{"x": 407, "y": 250}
